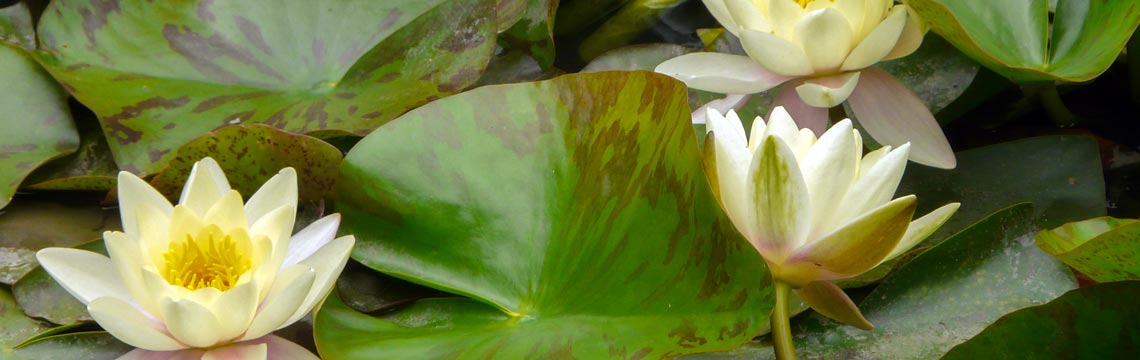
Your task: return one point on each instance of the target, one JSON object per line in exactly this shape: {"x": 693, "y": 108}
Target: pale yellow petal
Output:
{"x": 133, "y": 192}
{"x": 825, "y": 37}
{"x": 228, "y": 213}
{"x": 878, "y": 43}
{"x": 747, "y": 15}
{"x": 327, "y": 264}
{"x": 775, "y": 54}
{"x": 85, "y": 275}
{"x": 778, "y": 190}
{"x": 829, "y": 169}
{"x": 285, "y": 297}
{"x": 127, "y": 324}
{"x": 911, "y": 37}
{"x": 280, "y": 190}
{"x": 922, "y": 228}
{"x": 206, "y": 184}
{"x": 191, "y": 323}
{"x": 828, "y": 91}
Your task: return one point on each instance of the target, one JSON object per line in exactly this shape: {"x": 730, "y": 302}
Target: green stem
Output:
{"x": 1056, "y": 108}
{"x": 781, "y": 328}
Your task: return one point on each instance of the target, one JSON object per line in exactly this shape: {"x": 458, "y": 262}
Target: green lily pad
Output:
{"x": 1104, "y": 249}
{"x": 160, "y": 74}
{"x": 620, "y": 29}
{"x": 636, "y": 57}
{"x": 368, "y": 291}
{"x": 574, "y": 214}
{"x": 534, "y": 31}
{"x": 34, "y": 115}
{"x": 16, "y": 26}
{"x": 1095, "y": 322}
{"x": 28, "y": 226}
{"x": 944, "y": 296}
{"x": 94, "y": 345}
{"x": 1014, "y": 37}
{"x": 252, "y": 154}
{"x": 14, "y": 326}
{"x": 40, "y": 296}
{"x": 1060, "y": 175}
{"x": 91, "y": 168}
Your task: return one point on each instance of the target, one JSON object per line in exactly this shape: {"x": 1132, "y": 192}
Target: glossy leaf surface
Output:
{"x": 1104, "y": 249}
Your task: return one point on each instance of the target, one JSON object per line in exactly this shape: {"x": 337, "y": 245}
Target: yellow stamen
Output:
{"x": 210, "y": 260}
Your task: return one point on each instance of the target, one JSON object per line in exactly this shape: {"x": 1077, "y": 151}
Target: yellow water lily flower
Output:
{"x": 821, "y": 51}
{"x": 817, "y": 210}
{"x": 210, "y": 277}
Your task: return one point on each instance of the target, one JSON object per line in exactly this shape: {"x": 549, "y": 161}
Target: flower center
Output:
{"x": 210, "y": 260}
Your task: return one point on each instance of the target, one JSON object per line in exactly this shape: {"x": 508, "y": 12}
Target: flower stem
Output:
{"x": 1056, "y": 108}
{"x": 781, "y": 328}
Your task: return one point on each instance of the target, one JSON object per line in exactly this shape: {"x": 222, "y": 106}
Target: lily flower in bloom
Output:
{"x": 821, "y": 52}
{"x": 210, "y": 277}
{"x": 817, "y": 210}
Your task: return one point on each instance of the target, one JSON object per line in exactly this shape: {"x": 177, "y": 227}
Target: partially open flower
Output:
{"x": 816, "y": 209}
{"x": 212, "y": 275}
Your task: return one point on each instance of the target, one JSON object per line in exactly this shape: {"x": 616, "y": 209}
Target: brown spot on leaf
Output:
{"x": 214, "y": 102}
{"x": 125, "y": 134}
{"x": 204, "y": 11}
{"x": 252, "y": 34}
{"x": 686, "y": 335}
{"x": 202, "y": 52}
{"x": 465, "y": 38}
{"x": 96, "y": 17}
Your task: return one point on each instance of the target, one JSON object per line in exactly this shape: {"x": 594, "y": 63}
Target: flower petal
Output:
{"x": 723, "y": 105}
{"x": 227, "y": 213}
{"x": 878, "y": 43}
{"x": 311, "y": 238}
{"x": 719, "y": 11}
{"x": 721, "y": 73}
{"x": 911, "y": 36}
{"x": 287, "y": 294}
{"x": 853, "y": 11}
{"x": 206, "y": 184}
{"x": 784, "y": 15}
{"x": 708, "y": 165}
{"x": 922, "y": 228}
{"x": 781, "y": 197}
{"x": 126, "y": 323}
{"x": 775, "y": 54}
{"x": 238, "y": 304}
{"x": 327, "y": 264}
{"x": 144, "y": 354}
{"x": 190, "y": 322}
{"x": 279, "y": 191}
{"x": 238, "y": 352}
{"x": 780, "y": 124}
{"x": 747, "y": 15}
{"x": 280, "y": 348}
{"x": 873, "y": 187}
{"x": 829, "y": 169}
{"x": 825, "y": 36}
{"x": 893, "y": 115}
{"x": 134, "y": 192}
{"x": 828, "y": 91}
{"x": 872, "y": 236}
{"x": 806, "y": 116}
{"x": 85, "y": 275}
{"x": 127, "y": 258}
{"x": 830, "y": 301}
{"x": 732, "y": 162}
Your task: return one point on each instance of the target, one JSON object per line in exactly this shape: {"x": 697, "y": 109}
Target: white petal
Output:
{"x": 747, "y": 15}
{"x": 190, "y": 322}
{"x": 732, "y": 162}
{"x": 127, "y": 258}
{"x": 126, "y": 323}
{"x": 719, "y": 11}
{"x": 279, "y": 191}
{"x": 781, "y": 125}
{"x": 778, "y": 191}
{"x": 721, "y": 73}
{"x": 227, "y": 213}
{"x": 327, "y": 263}
{"x": 238, "y": 304}
{"x": 893, "y": 115}
{"x": 204, "y": 187}
{"x": 84, "y": 274}
{"x": 828, "y": 91}
{"x": 284, "y": 298}
{"x": 729, "y": 129}
{"x": 873, "y": 187}
{"x": 311, "y": 238}
{"x": 276, "y": 226}
{"x": 825, "y": 37}
{"x": 134, "y": 192}
{"x": 911, "y": 37}
{"x": 729, "y": 102}
{"x": 776, "y": 54}
{"x": 829, "y": 168}
{"x": 878, "y": 43}
{"x": 922, "y": 228}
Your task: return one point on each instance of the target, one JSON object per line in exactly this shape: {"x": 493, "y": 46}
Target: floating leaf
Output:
{"x": 161, "y": 74}
{"x": 368, "y": 291}
{"x": 1104, "y": 249}
{"x": 1014, "y": 37}
{"x": 634, "y": 18}
{"x": 40, "y": 296}
{"x": 85, "y": 345}
{"x": 16, "y": 26}
{"x": 1095, "y": 322}
{"x": 943, "y": 297}
{"x": 573, "y": 213}
{"x": 91, "y": 168}
{"x": 28, "y": 226}
{"x": 14, "y": 326}
{"x": 534, "y": 32}
{"x": 34, "y": 116}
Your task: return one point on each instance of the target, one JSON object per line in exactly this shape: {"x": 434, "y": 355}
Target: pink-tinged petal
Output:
{"x": 286, "y": 295}
{"x": 828, "y": 91}
{"x": 825, "y": 36}
{"x": 327, "y": 264}
{"x": 280, "y": 190}
{"x": 279, "y": 348}
{"x": 131, "y": 326}
{"x": 878, "y": 43}
{"x": 310, "y": 239}
{"x": 191, "y": 323}
{"x": 723, "y": 105}
{"x": 206, "y": 184}
{"x": 893, "y": 115}
{"x": 85, "y": 275}
{"x": 777, "y": 55}
{"x": 851, "y": 249}
{"x": 806, "y": 116}
{"x": 783, "y": 208}
{"x": 830, "y": 301}
{"x": 911, "y": 36}
{"x": 721, "y": 73}
{"x": 133, "y": 192}
{"x": 144, "y": 354}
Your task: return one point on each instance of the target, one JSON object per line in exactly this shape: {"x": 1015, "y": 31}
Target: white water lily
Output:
{"x": 822, "y": 49}
{"x": 817, "y": 210}
{"x": 210, "y": 277}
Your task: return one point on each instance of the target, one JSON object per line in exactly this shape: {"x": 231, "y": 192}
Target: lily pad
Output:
{"x": 91, "y": 168}
{"x": 34, "y": 116}
{"x": 943, "y": 297}
{"x": 574, "y": 214}
{"x": 1015, "y": 38}
{"x": 40, "y": 296}
{"x": 534, "y": 32}
{"x": 1095, "y": 322}
{"x": 625, "y": 25}
{"x": 1060, "y": 175}
{"x": 28, "y": 226}
{"x": 16, "y": 26}
{"x": 14, "y": 326}
{"x": 252, "y": 154}
{"x": 1104, "y": 249}
{"x": 94, "y": 345}
{"x": 160, "y": 74}
{"x": 368, "y": 291}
